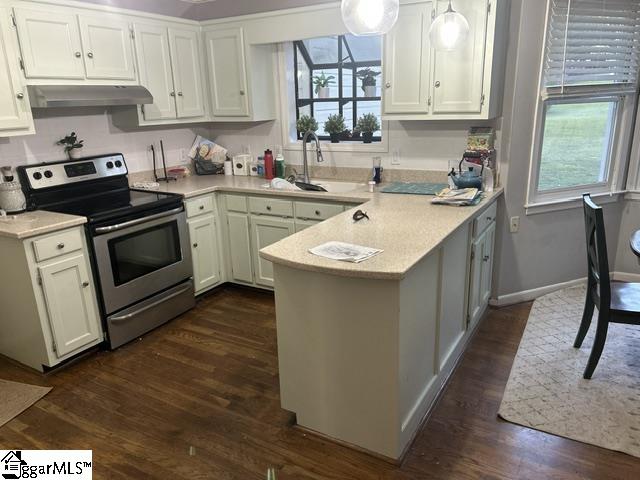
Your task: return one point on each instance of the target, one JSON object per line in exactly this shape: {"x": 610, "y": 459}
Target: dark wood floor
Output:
{"x": 198, "y": 399}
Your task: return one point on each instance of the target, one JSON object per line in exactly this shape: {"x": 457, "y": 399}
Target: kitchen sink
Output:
{"x": 333, "y": 186}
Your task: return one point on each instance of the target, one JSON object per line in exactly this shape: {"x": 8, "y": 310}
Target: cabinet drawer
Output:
{"x": 198, "y": 206}
{"x": 317, "y": 211}
{"x": 237, "y": 203}
{"x": 485, "y": 219}
{"x": 57, "y": 245}
{"x": 269, "y": 206}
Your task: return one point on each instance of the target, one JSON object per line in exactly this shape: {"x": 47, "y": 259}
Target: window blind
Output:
{"x": 592, "y": 42}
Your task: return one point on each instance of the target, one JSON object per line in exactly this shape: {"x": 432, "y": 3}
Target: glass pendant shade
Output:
{"x": 369, "y": 17}
{"x": 449, "y": 30}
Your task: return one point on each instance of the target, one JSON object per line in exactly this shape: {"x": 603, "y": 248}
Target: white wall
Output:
{"x": 100, "y": 136}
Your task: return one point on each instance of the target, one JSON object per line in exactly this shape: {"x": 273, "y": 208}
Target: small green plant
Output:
{"x": 367, "y": 77}
{"x": 334, "y": 124}
{"x": 71, "y": 142}
{"x": 368, "y": 123}
{"x": 306, "y": 123}
{"x": 322, "y": 81}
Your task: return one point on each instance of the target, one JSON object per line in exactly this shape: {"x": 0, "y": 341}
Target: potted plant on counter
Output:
{"x": 368, "y": 79}
{"x": 306, "y": 123}
{"x": 367, "y": 124}
{"x": 71, "y": 145}
{"x": 334, "y": 126}
{"x": 322, "y": 84}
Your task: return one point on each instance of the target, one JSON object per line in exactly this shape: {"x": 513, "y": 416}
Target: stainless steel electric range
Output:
{"x": 138, "y": 240}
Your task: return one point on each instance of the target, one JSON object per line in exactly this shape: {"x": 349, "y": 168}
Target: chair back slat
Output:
{"x": 599, "y": 282}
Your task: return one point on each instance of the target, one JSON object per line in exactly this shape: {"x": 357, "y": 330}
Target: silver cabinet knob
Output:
{"x": 173, "y": 94}
{"x": 90, "y": 55}
{"x": 20, "y": 96}
{"x": 78, "y": 54}
{"x": 438, "y": 84}
{"x": 179, "y": 94}
{"x": 195, "y": 245}
{"x": 387, "y": 85}
{"x": 269, "y": 207}
{"x": 241, "y": 92}
{"x": 317, "y": 212}
{"x": 85, "y": 284}
{"x": 60, "y": 246}
{"x": 201, "y": 207}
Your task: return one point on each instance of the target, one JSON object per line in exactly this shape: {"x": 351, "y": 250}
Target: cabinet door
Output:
{"x": 227, "y": 72}
{"x": 14, "y": 103}
{"x": 264, "y": 232}
{"x": 70, "y": 304}
{"x": 204, "y": 248}
{"x": 487, "y": 264}
{"x": 406, "y": 61}
{"x": 154, "y": 65}
{"x": 187, "y": 77}
{"x": 239, "y": 247}
{"x": 50, "y": 44}
{"x": 302, "y": 224}
{"x": 458, "y": 75}
{"x": 107, "y": 47}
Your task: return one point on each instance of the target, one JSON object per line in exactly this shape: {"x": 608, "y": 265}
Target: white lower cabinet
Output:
{"x": 481, "y": 273}
{"x": 239, "y": 242}
{"x": 203, "y": 233}
{"x": 264, "y": 232}
{"x": 50, "y": 312}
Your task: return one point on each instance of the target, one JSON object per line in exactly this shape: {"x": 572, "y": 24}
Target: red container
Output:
{"x": 269, "y": 167}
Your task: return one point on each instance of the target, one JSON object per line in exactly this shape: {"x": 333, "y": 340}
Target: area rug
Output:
{"x": 546, "y": 390}
{"x": 15, "y": 398}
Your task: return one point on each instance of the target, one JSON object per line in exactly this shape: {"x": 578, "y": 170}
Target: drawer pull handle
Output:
{"x": 195, "y": 245}
{"x": 60, "y": 246}
{"x": 489, "y": 219}
{"x": 438, "y": 84}
{"x": 90, "y": 55}
{"x": 20, "y": 96}
{"x": 387, "y": 85}
{"x": 201, "y": 207}
{"x": 317, "y": 212}
{"x": 269, "y": 207}
{"x": 78, "y": 54}
{"x": 179, "y": 94}
{"x": 486, "y": 258}
{"x": 85, "y": 284}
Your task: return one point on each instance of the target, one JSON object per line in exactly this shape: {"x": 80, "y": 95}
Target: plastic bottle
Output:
{"x": 261, "y": 166}
{"x": 269, "y": 167}
{"x": 280, "y": 166}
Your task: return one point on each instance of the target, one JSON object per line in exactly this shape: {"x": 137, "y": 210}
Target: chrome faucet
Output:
{"x": 305, "y": 162}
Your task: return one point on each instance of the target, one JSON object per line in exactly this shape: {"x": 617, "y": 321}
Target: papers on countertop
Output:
{"x": 345, "y": 252}
{"x": 459, "y": 197}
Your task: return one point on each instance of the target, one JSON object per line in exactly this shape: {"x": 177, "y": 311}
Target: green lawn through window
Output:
{"x": 575, "y": 145}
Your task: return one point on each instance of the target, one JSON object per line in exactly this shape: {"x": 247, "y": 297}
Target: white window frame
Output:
{"x": 287, "y": 113}
{"x": 563, "y": 198}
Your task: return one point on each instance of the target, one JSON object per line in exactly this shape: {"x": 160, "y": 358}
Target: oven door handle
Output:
{"x": 128, "y": 316}
{"x": 137, "y": 221}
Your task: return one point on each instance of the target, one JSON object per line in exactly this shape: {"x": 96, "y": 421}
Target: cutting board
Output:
{"x": 414, "y": 188}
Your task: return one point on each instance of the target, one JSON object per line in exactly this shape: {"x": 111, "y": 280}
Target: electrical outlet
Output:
{"x": 514, "y": 225}
{"x": 395, "y": 157}
{"x": 183, "y": 156}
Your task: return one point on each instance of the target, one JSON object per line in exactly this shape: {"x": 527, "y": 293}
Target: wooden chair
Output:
{"x": 617, "y": 302}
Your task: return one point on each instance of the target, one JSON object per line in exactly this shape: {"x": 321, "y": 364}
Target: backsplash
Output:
{"x": 94, "y": 126}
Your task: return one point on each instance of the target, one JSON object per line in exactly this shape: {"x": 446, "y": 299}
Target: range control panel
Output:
{"x": 48, "y": 175}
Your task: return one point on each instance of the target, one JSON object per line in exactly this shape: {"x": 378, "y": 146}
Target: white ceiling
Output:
{"x": 206, "y": 10}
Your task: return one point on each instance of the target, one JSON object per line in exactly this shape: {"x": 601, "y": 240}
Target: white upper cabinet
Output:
{"x": 108, "y": 51}
{"x": 227, "y": 72}
{"x": 406, "y": 65}
{"x": 154, "y": 65}
{"x": 15, "y": 113}
{"x": 50, "y": 44}
{"x": 187, "y": 73}
{"x": 458, "y": 74}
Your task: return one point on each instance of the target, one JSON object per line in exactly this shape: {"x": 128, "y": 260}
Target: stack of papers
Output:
{"x": 459, "y": 197}
{"x": 345, "y": 252}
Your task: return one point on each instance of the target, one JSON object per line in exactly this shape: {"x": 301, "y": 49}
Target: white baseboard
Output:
{"x": 528, "y": 295}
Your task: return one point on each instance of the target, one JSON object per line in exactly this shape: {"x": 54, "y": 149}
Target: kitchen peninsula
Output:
{"x": 364, "y": 348}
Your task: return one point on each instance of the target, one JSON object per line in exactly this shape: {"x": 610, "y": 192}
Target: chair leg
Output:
{"x": 598, "y": 344}
{"x": 586, "y": 320}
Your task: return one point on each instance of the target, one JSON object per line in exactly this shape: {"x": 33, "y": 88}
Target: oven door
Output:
{"x": 139, "y": 258}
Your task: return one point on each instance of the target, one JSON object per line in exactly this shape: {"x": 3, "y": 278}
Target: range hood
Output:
{"x": 50, "y": 96}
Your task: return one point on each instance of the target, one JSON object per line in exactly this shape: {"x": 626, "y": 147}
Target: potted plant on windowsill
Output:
{"x": 322, "y": 84}
{"x": 367, "y": 124}
{"x": 334, "y": 126}
{"x": 306, "y": 123}
{"x": 71, "y": 145}
{"x": 368, "y": 79}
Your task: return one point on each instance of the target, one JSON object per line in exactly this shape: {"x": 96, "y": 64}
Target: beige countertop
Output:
{"x": 406, "y": 227}
{"x": 30, "y": 224}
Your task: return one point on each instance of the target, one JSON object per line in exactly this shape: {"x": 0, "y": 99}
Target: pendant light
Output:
{"x": 449, "y": 30}
{"x": 369, "y": 17}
